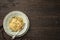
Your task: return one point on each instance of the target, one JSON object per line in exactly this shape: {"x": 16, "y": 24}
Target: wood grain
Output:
{"x": 44, "y": 16}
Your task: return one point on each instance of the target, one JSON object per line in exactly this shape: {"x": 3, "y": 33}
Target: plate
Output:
{"x": 9, "y": 16}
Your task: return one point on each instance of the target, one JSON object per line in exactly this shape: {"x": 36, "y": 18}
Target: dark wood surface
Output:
{"x": 44, "y": 16}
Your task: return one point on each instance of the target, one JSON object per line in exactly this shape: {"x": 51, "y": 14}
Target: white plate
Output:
{"x": 7, "y": 18}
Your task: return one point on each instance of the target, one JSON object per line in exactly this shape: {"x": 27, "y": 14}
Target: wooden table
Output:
{"x": 44, "y": 18}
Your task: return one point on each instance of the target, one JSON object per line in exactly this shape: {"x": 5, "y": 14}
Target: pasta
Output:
{"x": 16, "y": 23}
